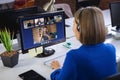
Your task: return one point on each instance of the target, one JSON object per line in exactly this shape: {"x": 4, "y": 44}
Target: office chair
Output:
{"x": 114, "y": 77}
{"x": 65, "y": 7}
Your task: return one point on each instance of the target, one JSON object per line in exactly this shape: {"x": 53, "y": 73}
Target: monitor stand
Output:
{"x": 46, "y": 52}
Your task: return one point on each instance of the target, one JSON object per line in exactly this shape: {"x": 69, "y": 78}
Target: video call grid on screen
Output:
{"x": 42, "y": 29}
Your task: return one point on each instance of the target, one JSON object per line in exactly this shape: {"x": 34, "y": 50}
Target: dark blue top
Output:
{"x": 89, "y": 62}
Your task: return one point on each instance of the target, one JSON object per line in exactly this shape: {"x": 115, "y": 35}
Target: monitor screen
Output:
{"x": 42, "y": 30}
{"x": 115, "y": 14}
{"x": 8, "y": 18}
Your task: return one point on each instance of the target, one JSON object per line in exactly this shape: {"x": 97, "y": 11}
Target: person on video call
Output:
{"x": 45, "y": 34}
{"x": 94, "y": 59}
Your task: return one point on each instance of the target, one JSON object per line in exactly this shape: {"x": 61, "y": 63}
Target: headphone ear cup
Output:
{"x": 78, "y": 28}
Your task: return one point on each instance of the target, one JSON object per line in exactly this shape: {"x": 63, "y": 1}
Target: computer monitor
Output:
{"x": 8, "y": 18}
{"x": 115, "y": 15}
{"x": 42, "y": 30}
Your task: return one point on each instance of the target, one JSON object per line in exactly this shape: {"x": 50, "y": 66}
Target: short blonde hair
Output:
{"x": 92, "y": 27}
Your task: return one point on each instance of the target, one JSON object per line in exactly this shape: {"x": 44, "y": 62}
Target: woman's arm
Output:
{"x": 68, "y": 71}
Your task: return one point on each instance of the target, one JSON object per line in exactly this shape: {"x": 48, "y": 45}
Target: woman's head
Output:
{"x": 89, "y": 25}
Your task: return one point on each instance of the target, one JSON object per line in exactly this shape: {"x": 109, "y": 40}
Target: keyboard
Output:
{"x": 59, "y": 58}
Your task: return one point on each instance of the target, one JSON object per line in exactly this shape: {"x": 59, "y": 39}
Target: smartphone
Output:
{"x": 31, "y": 75}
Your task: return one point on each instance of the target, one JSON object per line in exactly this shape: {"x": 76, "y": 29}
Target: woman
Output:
{"x": 94, "y": 60}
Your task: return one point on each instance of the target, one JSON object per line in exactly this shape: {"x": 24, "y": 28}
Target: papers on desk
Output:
{"x": 35, "y": 51}
{"x": 69, "y": 21}
{"x": 32, "y": 52}
{"x": 39, "y": 50}
{"x": 69, "y": 30}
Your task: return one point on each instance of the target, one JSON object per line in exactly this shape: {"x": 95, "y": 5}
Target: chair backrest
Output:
{"x": 114, "y": 77}
{"x": 64, "y": 7}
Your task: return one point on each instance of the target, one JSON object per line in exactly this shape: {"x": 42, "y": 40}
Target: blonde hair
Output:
{"x": 92, "y": 27}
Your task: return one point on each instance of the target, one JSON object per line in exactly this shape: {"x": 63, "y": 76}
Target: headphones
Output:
{"x": 78, "y": 25}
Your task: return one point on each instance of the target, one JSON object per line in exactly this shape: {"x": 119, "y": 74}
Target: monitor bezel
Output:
{"x": 37, "y": 15}
{"x": 111, "y": 13}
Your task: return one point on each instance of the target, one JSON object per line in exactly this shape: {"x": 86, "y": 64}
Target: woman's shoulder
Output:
{"x": 109, "y": 45}
{"x": 74, "y": 52}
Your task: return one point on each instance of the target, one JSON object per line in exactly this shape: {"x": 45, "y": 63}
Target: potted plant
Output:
{"x": 10, "y": 56}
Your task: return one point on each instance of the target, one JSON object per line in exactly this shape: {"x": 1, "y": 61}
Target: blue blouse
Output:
{"x": 89, "y": 62}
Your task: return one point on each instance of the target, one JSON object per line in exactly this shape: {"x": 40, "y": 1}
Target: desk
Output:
{"x": 26, "y": 62}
